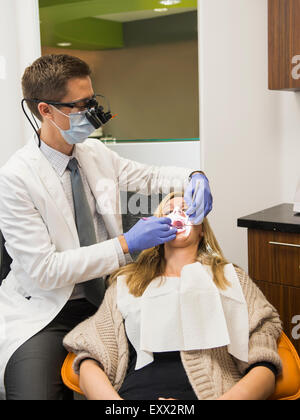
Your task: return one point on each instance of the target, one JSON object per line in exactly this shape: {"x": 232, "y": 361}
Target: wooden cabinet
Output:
{"x": 275, "y": 268}
{"x": 274, "y": 262}
{"x": 274, "y": 257}
{"x": 284, "y": 45}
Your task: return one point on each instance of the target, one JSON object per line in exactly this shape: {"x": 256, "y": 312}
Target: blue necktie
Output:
{"x": 94, "y": 289}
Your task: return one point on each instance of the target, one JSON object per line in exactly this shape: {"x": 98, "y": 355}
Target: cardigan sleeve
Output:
{"x": 95, "y": 338}
{"x": 264, "y": 326}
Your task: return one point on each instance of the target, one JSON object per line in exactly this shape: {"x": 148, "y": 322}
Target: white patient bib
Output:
{"x": 186, "y": 313}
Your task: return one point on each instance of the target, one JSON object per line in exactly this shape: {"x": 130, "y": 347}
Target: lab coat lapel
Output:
{"x": 53, "y": 185}
{"x": 104, "y": 189}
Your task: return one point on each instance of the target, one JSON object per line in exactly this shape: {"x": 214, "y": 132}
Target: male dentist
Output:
{"x": 63, "y": 231}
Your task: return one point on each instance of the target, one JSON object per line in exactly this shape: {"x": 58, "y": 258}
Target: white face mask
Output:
{"x": 80, "y": 128}
{"x": 181, "y": 221}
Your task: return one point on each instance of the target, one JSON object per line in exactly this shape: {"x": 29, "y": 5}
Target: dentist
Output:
{"x": 63, "y": 228}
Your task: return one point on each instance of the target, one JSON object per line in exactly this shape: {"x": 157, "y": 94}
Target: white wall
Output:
{"x": 182, "y": 153}
{"x": 249, "y": 135}
{"x": 19, "y": 47}
{"x": 290, "y": 145}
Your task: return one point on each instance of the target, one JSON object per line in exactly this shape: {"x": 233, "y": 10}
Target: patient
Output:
{"x": 179, "y": 323}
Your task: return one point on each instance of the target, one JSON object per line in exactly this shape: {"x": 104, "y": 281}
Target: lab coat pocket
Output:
{"x": 11, "y": 297}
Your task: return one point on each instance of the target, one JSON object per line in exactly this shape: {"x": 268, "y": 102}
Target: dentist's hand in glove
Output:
{"x": 150, "y": 232}
{"x": 202, "y": 203}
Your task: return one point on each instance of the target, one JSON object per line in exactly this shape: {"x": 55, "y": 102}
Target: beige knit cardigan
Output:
{"x": 211, "y": 372}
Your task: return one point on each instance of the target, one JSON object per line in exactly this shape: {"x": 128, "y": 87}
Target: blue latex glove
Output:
{"x": 150, "y": 232}
{"x": 202, "y": 204}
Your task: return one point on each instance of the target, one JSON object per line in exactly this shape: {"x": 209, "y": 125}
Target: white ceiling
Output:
{"x": 144, "y": 14}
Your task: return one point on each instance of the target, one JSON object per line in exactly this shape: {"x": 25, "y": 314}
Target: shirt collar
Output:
{"x": 58, "y": 160}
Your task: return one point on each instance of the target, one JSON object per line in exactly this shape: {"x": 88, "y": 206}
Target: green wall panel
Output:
{"x": 89, "y": 34}
{"x": 72, "y": 21}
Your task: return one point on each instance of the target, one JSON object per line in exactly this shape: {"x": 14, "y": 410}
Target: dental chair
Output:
{"x": 287, "y": 383}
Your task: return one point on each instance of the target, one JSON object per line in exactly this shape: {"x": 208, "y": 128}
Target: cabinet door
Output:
{"x": 287, "y": 302}
{"x": 284, "y": 44}
{"x": 274, "y": 257}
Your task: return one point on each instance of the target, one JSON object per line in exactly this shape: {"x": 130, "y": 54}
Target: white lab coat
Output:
{"x": 41, "y": 235}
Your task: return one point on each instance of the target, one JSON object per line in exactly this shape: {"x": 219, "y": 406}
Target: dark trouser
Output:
{"x": 33, "y": 371}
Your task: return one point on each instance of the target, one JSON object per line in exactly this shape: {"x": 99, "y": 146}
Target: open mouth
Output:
{"x": 179, "y": 224}
{"x": 180, "y": 221}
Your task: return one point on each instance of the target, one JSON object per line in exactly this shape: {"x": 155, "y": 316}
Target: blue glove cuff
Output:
{"x": 197, "y": 173}
{"x": 127, "y": 239}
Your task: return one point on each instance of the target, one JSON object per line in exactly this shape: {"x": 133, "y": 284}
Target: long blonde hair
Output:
{"x": 151, "y": 263}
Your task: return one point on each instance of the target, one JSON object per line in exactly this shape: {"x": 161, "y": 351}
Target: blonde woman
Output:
{"x": 179, "y": 323}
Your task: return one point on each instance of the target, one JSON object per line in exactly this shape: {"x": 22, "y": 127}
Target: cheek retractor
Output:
{"x": 180, "y": 221}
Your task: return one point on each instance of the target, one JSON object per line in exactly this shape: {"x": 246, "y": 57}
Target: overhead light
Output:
{"x": 170, "y": 2}
{"x": 161, "y": 9}
{"x": 64, "y": 44}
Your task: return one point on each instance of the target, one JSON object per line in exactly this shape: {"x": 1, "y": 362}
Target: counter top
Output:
{"x": 279, "y": 218}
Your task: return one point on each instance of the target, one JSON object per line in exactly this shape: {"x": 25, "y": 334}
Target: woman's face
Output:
{"x": 193, "y": 234}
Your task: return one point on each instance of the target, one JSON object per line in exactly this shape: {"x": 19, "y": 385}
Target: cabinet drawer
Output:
{"x": 274, "y": 257}
{"x": 287, "y": 302}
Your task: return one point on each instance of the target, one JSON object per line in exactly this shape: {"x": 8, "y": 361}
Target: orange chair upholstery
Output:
{"x": 69, "y": 377}
{"x": 287, "y": 383}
